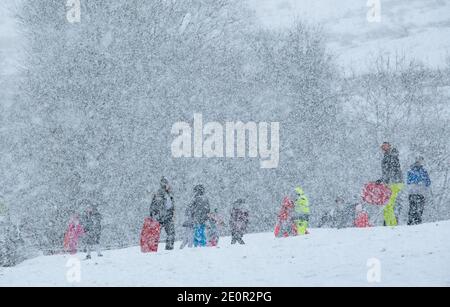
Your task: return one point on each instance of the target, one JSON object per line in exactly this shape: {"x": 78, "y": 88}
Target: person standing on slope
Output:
{"x": 73, "y": 234}
{"x": 214, "y": 221}
{"x": 92, "y": 224}
{"x": 199, "y": 208}
{"x": 286, "y": 226}
{"x": 418, "y": 187}
{"x": 302, "y": 211}
{"x": 162, "y": 209}
{"x": 393, "y": 177}
{"x": 238, "y": 222}
{"x": 188, "y": 225}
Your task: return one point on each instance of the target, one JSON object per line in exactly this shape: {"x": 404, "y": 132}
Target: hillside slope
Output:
{"x": 407, "y": 256}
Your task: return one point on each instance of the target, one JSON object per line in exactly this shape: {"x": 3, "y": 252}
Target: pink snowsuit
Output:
{"x": 73, "y": 233}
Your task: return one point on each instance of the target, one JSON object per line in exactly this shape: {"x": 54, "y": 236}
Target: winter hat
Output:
{"x": 385, "y": 146}
{"x": 164, "y": 181}
{"x": 199, "y": 189}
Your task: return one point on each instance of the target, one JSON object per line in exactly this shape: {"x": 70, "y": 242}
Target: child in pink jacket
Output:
{"x": 73, "y": 234}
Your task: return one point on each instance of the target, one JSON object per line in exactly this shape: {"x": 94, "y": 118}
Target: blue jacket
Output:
{"x": 418, "y": 175}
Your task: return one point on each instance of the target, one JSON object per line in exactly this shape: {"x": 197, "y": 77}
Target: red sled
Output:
{"x": 150, "y": 236}
{"x": 376, "y": 193}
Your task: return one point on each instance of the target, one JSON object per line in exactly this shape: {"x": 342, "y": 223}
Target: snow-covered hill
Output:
{"x": 403, "y": 256}
{"x": 417, "y": 29}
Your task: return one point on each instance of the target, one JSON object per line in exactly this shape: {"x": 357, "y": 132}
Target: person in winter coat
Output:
{"x": 214, "y": 221}
{"x": 362, "y": 217}
{"x": 162, "y": 209}
{"x": 301, "y": 211}
{"x": 92, "y": 224}
{"x": 199, "y": 209}
{"x": 393, "y": 177}
{"x": 238, "y": 222}
{"x": 341, "y": 216}
{"x": 188, "y": 225}
{"x": 73, "y": 234}
{"x": 286, "y": 226}
{"x": 419, "y": 184}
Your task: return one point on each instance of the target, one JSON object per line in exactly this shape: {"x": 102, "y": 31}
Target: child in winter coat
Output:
{"x": 286, "y": 224}
{"x": 238, "y": 222}
{"x": 214, "y": 221}
{"x": 73, "y": 234}
{"x": 362, "y": 217}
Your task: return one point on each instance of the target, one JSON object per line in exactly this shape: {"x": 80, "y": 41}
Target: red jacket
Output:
{"x": 362, "y": 220}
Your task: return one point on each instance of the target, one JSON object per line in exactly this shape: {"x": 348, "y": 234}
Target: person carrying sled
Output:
{"x": 199, "y": 208}
{"x": 238, "y": 222}
{"x": 393, "y": 177}
{"x": 162, "y": 210}
{"x": 419, "y": 183}
{"x": 286, "y": 226}
{"x": 214, "y": 221}
{"x": 92, "y": 224}
{"x": 301, "y": 211}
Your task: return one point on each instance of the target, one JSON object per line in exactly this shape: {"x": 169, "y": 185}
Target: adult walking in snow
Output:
{"x": 393, "y": 177}
{"x": 92, "y": 224}
{"x": 199, "y": 208}
{"x": 162, "y": 210}
{"x": 238, "y": 222}
{"x": 419, "y": 184}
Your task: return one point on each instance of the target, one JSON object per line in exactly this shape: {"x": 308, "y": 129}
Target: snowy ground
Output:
{"x": 416, "y": 256}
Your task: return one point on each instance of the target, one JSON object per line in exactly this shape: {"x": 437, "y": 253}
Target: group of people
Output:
{"x": 201, "y": 224}
{"x": 294, "y": 213}
{"x": 418, "y": 183}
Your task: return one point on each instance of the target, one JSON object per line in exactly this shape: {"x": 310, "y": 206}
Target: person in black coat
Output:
{"x": 162, "y": 209}
{"x": 199, "y": 209}
{"x": 238, "y": 222}
{"x": 92, "y": 225}
{"x": 393, "y": 177}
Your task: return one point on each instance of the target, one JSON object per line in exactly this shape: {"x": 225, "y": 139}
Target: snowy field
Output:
{"x": 414, "y": 256}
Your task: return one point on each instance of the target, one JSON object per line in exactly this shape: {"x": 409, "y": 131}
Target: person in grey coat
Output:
{"x": 92, "y": 225}
{"x": 162, "y": 209}
{"x": 199, "y": 209}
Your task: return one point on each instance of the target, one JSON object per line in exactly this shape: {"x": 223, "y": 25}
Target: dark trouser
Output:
{"x": 416, "y": 206}
{"x": 237, "y": 237}
{"x": 169, "y": 227}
